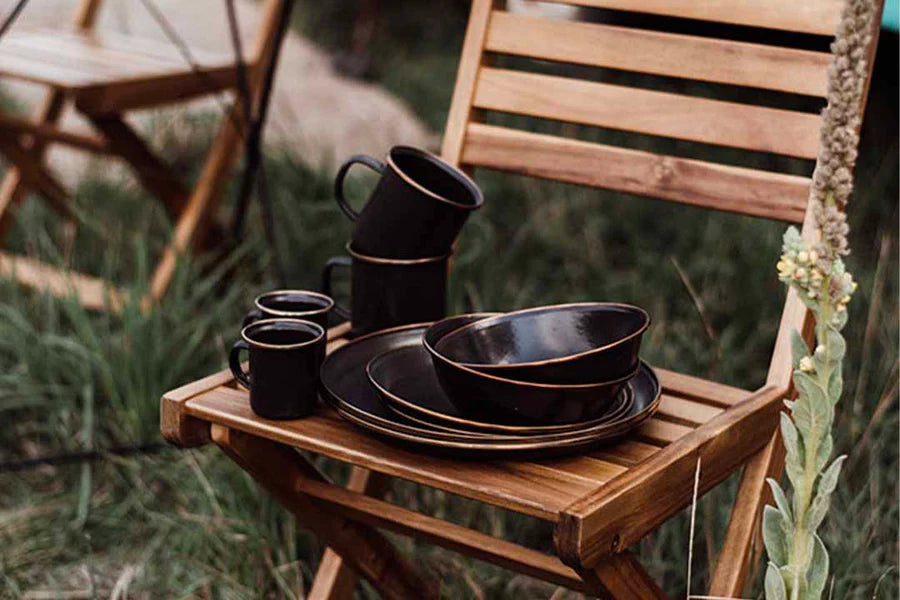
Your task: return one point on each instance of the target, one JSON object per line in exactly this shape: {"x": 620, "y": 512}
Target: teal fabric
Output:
{"x": 891, "y": 18}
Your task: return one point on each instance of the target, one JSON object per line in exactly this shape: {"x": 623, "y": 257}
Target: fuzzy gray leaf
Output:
{"x": 829, "y": 479}
{"x": 823, "y": 453}
{"x": 780, "y": 498}
{"x": 799, "y": 349}
{"x": 835, "y": 345}
{"x": 817, "y": 576}
{"x": 773, "y": 531}
{"x": 813, "y": 412}
{"x": 774, "y": 584}
{"x": 835, "y": 385}
{"x": 819, "y": 507}
{"x": 793, "y": 460}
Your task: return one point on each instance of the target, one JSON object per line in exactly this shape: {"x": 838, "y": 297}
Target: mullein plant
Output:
{"x": 798, "y": 560}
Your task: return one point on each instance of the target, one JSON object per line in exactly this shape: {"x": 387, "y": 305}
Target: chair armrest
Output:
{"x": 614, "y": 517}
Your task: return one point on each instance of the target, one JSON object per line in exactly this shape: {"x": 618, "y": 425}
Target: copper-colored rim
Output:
{"x": 547, "y": 430}
{"x": 479, "y": 198}
{"x": 318, "y": 328}
{"x": 558, "y": 359}
{"x": 290, "y": 313}
{"x": 395, "y": 261}
{"x": 501, "y": 445}
{"x": 529, "y": 384}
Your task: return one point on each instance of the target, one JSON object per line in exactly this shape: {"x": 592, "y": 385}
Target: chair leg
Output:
{"x": 621, "y": 577}
{"x": 155, "y": 175}
{"x": 335, "y": 580}
{"x": 35, "y": 175}
{"x": 12, "y": 190}
{"x": 281, "y": 471}
{"x": 202, "y": 202}
{"x": 743, "y": 541}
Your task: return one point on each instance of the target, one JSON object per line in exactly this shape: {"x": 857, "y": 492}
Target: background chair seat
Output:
{"x": 81, "y": 59}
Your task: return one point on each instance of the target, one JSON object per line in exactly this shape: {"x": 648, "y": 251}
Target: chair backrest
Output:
{"x": 697, "y": 52}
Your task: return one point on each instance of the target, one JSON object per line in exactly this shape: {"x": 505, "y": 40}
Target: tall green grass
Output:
{"x": 190, "y": 524}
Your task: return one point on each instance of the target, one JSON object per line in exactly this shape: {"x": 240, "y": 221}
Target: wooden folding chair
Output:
{"x": 604, "y": 502}
{"x": 105, "y": 75}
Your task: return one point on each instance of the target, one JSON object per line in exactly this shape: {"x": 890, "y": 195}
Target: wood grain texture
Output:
{"x": 622, "y": 577}
{"x": 525, "y": 487}
{"x": 470, "y": 61}
{"x": 649, "y": 112}
{"x": 335, "y": 579}
{"x": 283, "y": 473}
{"x": 80, "y": 59}
{"x": 743, "y": 541}
{"x": 633, "y": 504}
{"x": 379, "y": 513}
{"x": 692, "y": 182}
{"x": 805, "y": 16}
{"x": 703, "y": 390}
{"x": 659, "y": 53}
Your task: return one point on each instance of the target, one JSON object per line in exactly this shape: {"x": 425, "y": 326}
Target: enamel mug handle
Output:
{"x": 375, "y": 165}
{"x": 327, "y": 271}
{"x": 234, "y": 361}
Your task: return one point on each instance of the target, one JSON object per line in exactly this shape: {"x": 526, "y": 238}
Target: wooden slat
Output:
{"x": 662, "y": 432}
{"x": 686, "y": 412}
{"x": 743, "y": 540}
{"x": 626, "y": 453}
{"x": 281, "y": 472}
{"x": 804, "y": 16}
{"x": 703, "y": 390}
{"x": 50, "y": 133}
{"x": 622, "y": 577}
{"x": 694, "y": 182}
{"x": 649, "y": 112}
{"x": 460, "y": 113}
{"x": 449, "y": 535}
{"x": 334, "y": 579}
{"x": 658, "y": 53}
{"x": 525, "y": 487}
{"x": 93, "y": 293}
{"x": 618, "y": 514}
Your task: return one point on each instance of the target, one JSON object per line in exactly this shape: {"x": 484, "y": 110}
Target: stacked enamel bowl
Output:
{"x": 552, "y": 379}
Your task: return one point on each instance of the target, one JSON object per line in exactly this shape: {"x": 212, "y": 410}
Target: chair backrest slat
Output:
{"x": 649, "y": 112}
{"x": 802, "y": 16}
{"x": 659, "y": 53}
{"x": 725, "y": 187}
{"x": 753, "y": 98}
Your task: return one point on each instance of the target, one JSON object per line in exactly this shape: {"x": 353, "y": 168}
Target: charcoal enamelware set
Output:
{"x": 539, "y": 381}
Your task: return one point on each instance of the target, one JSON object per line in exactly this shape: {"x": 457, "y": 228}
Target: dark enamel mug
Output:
{"x": 285, "y": 356}
{"x": 389, "y": 292}
{"x": 291, "y": 304}
{"x": 417, "y": 208}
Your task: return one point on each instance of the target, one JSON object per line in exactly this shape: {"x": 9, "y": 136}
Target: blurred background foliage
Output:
{"x": 190, "y": 524}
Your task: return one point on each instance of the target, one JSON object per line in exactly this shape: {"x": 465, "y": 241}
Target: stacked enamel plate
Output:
{"x": 542, "y": 381}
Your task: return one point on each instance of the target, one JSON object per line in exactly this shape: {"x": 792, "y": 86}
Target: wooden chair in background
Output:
{"x": 105, "y": 75}
{"x": 604, "y": 502}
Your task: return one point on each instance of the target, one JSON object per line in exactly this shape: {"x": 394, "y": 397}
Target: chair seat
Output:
{"x": 539, "y": 488}
{"x": 71, "y": 60}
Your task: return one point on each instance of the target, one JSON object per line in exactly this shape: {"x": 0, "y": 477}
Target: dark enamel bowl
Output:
{"x": 497, "y": 399}
{"x": 566, "y": 343}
